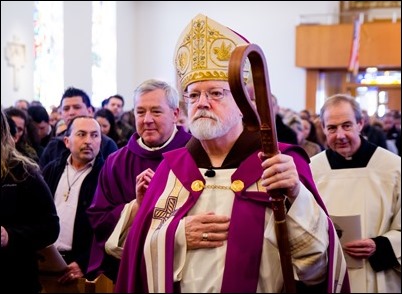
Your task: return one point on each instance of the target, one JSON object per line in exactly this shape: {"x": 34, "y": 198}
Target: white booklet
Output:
{"x": 50, "y": 260}
{"x": 349, "y": 227}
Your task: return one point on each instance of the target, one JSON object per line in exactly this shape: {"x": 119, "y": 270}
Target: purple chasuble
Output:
{"x": 244, "y": 246}
{"x": 116, "y": 188}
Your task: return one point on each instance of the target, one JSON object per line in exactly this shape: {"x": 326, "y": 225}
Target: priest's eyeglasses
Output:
{"x": 215, "y": 94}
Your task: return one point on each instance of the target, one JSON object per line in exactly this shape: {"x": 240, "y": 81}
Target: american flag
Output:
{"x": 354, "y": 53}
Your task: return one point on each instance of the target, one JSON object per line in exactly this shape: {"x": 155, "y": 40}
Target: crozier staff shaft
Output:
{"x": 261, "y": 117}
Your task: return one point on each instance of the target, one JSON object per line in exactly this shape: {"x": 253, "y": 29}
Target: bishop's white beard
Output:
{"x": 212, "y": 126}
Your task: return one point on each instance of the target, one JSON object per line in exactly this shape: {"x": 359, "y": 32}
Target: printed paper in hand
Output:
{"x": 350, "y": 228}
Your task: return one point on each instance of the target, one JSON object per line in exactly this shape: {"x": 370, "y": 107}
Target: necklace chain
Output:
{"x": 75, "y": 179}
{"x": 217, "y": 187}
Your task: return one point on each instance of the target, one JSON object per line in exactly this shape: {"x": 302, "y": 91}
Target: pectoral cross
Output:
{"x": 67, "y": 194}
{"x": 15, "y": 56}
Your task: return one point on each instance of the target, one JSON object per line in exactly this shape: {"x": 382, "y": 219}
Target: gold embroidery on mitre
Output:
{"x": 203, "y": 51}
{"x": 197, "y": 186}
{"x": 182, "y": 60}
{"x": 237, "y": 186}
{"x": 223, "y": 52}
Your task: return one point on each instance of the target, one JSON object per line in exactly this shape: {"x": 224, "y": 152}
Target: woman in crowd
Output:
{"x": 108, "y": 126}
{"x": 28, "y": 217}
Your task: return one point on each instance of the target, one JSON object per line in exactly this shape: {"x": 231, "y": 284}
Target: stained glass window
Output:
{"x": 49, "y": 55}
{"x": 103, "y": 50}
{"x": 48, "y": 52}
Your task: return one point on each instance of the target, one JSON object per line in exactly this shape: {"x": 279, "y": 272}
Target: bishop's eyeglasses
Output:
{"x": 215, "y": 94}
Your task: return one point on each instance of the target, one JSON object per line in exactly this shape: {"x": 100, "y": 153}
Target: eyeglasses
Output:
{"x": 215, "y": 94}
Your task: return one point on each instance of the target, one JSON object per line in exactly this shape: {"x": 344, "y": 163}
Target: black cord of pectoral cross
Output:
{"x": 75, "y": 179}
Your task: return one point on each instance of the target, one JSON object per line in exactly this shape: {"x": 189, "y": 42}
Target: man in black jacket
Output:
{"x": 72, "y": 179}
{"x": 74, "y": 102}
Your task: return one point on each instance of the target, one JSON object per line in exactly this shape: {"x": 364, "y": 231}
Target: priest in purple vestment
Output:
{"x": 156, "y": 110}
{"x": 205, "y": 223}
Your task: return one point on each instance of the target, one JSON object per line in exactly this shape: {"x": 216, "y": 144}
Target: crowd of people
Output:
{"x": 176, "y": 195}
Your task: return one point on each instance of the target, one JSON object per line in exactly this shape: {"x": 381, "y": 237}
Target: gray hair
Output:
{"x": 338, "y": 98}
{"x": 150, "y": 85}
